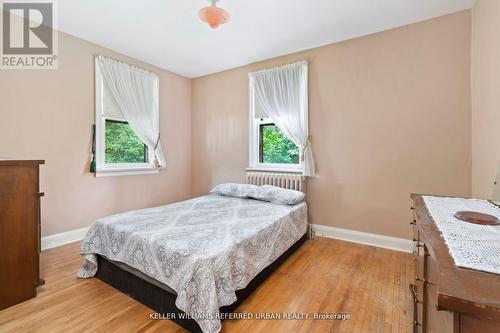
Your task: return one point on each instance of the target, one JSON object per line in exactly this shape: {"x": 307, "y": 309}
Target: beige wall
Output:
{"x": 485, "y": 96}
{"x": 389, "y": 115}
{"x": 48, "y": 115}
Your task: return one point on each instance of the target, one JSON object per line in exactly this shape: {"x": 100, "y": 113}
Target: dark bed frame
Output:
{"x": 163, "y": 302}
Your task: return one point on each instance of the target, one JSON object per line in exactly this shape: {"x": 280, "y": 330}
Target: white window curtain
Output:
{"x": 135, "y": 94}
{"x": 281, "y": 94}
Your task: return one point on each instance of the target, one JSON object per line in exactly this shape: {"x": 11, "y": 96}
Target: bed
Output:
{"x": 195, "y": 260}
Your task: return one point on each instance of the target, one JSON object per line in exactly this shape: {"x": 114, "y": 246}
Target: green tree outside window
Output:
{"x": 276, "y": 147}
{"x": 122, "y": 145}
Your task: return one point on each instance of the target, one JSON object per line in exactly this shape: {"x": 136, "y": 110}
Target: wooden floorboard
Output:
{"x": 324, "y": 275}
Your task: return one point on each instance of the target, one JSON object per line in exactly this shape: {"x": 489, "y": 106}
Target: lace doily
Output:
{"x": 471, "y": 245}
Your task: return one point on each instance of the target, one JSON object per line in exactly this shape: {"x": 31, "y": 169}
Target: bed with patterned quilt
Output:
{"x": 198, "y": 257}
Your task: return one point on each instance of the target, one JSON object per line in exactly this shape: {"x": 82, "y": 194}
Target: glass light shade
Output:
{"x": 214, "y": 16}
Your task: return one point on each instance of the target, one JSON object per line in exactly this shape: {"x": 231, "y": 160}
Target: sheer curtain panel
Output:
{"x": 282, "y": 95}
{"x": 135, "y": 94}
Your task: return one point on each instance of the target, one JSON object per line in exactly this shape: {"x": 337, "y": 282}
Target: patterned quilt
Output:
{"x": 204, "y": 248}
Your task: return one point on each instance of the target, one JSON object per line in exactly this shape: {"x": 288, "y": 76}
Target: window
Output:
{"x": 269, "y": 148}
{"x": 119, "y": 151}
{"x": 278, "y": 120}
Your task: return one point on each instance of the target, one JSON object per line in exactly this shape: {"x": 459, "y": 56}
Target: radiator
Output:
{"x": 285, "y": 180}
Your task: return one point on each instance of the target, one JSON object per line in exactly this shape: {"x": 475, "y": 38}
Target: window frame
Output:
{"x": 104, "y": 169}
{"x": 254, "y": 143}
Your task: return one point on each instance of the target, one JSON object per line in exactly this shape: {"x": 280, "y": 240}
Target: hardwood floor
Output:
{"x": 324, "y": 275}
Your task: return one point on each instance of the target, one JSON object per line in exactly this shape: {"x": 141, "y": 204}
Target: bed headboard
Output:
{"x": 290, "y": 181}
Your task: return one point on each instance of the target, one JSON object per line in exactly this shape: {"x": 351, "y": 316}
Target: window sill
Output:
{"x": 113, "y": 172}
{"x": 276, "y": 169}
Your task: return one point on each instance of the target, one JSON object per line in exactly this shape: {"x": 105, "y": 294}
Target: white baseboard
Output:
{"x": 71, "y": 236}
{"x": 398, "y": 244}
{"x": 393, "y": 243}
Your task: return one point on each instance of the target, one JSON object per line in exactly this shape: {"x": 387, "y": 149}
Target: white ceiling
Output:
{"x": 169, "y": 34}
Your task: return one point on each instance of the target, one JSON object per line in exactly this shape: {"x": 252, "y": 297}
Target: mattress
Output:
{"x": 204, "y": 249}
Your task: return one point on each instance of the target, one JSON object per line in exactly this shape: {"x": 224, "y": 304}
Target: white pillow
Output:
{"x": 279, "y": 195}
{"x": 236, "y": 190}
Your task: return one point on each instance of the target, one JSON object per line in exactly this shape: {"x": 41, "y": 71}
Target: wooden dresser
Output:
{"x": 19, "y": 231}
{"x": 448, "y": 298}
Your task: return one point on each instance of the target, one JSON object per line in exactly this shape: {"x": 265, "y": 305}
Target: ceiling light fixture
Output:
{"x": 213, "y": 15}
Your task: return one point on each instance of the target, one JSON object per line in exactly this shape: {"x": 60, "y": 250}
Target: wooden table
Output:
{"x": 448, "y": 298}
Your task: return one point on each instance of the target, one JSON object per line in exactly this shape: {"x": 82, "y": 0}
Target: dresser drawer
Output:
{"x": 469, "y": 324}
{"x": 420, "y": 266}
{"x": 413, "y": 225}
{"x": 436, "y": 321}
{"x": 431, "y": 269}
